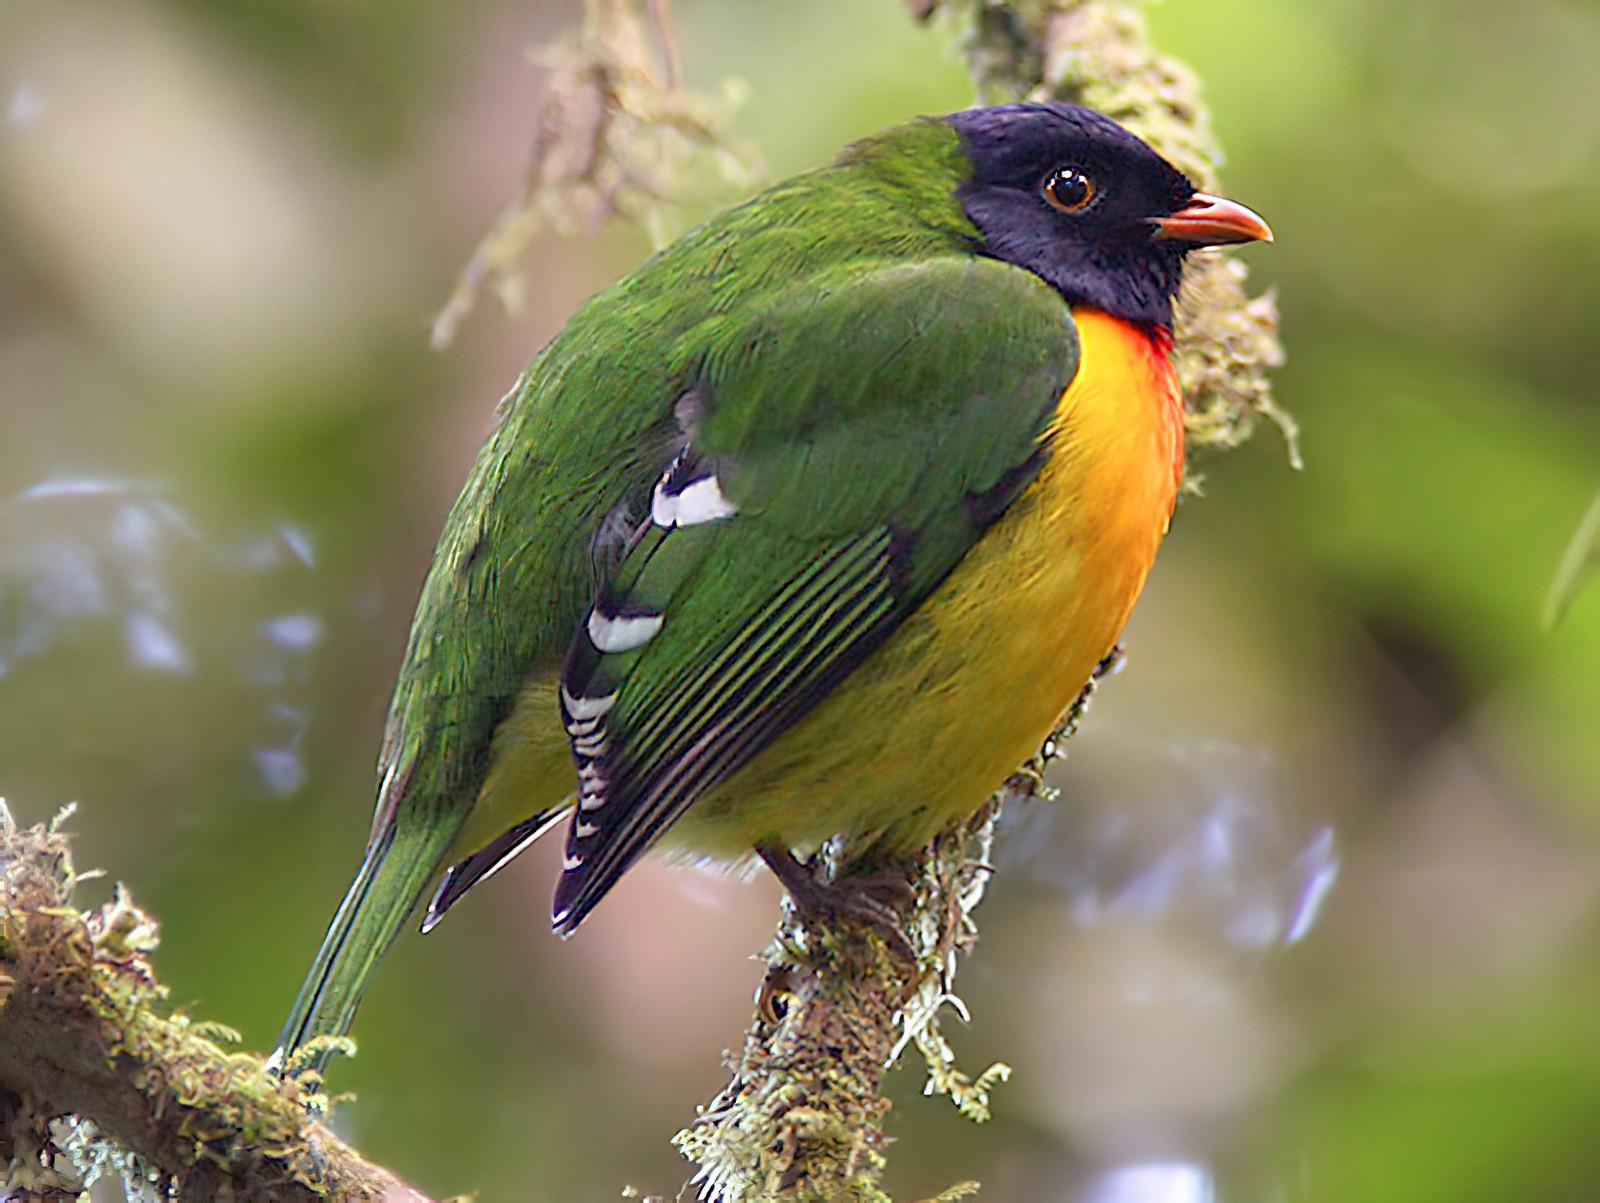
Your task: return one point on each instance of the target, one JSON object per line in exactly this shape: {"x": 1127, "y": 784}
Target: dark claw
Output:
{"x": 866, "y": 897}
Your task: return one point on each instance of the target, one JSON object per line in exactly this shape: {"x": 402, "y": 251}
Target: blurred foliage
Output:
{"x": 1578, "y": 565}
{"x": 224, "y": 228}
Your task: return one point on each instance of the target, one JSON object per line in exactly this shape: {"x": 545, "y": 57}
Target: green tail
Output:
{"x": 391, "y": 882}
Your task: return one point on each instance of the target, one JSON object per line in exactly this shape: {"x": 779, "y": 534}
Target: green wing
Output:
{"x": 580, "y": 443}
{"x": 839, "y": 452}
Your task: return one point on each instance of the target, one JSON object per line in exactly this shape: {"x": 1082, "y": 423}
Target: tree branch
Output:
{"x": 616, "y": 136}
{"x": 802, "y": 1116}
{"x": 93, "y": 1081}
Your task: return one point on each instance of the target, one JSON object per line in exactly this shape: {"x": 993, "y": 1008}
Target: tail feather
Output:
{"x": 401, "y": 860}
{"x": 486, "y": 862}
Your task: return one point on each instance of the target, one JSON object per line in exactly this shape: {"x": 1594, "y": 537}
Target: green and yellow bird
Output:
{"x": 814, "y": 524}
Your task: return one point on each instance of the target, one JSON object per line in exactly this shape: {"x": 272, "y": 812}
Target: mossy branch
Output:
{"x": 802, "y": 1116}
{"x": 616, "y": 136}
{"x": 96, "y": 1081}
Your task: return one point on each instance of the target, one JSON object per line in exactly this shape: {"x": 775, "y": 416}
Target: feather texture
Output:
{"x": 801, "y": 522}
{"x": 773, "y": 509}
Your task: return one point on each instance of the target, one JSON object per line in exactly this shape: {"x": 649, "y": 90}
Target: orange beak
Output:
{"x": 1212, "y": 221}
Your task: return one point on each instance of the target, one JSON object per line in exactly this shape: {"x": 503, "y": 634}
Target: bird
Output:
{"x": 811, "y": 526}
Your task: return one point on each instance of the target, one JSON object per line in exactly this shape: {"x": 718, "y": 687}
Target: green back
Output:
{"x": 587, "y": 427}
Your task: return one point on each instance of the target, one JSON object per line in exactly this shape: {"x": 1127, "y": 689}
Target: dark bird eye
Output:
{"x": 1067, "y": 189}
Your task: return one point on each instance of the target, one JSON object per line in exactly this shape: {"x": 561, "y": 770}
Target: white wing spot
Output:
{"x": 621, "y": 634}
{"x": 699, "y": 501}
{"x": 569, "y": 863}
{"x": 663, "y": 506}
{"x": 584, "y": 830}
{"x": 582, "y": 708}
{"x": 703, "y": 501}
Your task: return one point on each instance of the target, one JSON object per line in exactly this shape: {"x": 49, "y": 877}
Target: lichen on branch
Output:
{"x": 96, "y": 1079}
{"x": 801, "y": 1117}
{"x": 616, "y": 136}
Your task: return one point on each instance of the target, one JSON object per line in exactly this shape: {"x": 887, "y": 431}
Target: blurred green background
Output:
{"x": 1318, "y": 916}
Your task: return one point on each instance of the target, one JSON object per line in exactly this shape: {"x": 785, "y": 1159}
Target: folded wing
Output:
{"x": 840, "y": 451}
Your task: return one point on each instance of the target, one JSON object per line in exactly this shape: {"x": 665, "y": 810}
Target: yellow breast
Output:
{"x": 969, "y": 686}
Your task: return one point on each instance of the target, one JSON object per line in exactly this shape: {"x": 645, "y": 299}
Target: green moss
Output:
{"x": 85, "y": 1021}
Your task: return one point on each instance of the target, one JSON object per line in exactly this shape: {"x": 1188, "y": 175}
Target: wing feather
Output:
{"x": 803, "y": 517}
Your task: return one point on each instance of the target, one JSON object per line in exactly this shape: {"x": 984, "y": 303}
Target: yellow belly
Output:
{"x": 530, "y": 768}
{"x": 970, "y": 684}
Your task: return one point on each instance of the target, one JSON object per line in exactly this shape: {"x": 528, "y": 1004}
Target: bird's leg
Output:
{"x": 866, "y": 897}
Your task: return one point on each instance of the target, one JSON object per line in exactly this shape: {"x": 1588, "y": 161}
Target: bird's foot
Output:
{"x": 869, "y": 898}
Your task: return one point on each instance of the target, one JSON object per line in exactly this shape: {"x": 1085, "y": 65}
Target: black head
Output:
{"x": 1087, "y": 207}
